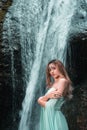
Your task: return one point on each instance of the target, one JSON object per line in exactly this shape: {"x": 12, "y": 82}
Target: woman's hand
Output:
{"x": 54, "y": 94}
{"x": 62, "y": 86}
{"x": 42, "y": 100}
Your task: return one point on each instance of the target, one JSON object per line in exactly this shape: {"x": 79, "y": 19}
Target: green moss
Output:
{"x": 4, "y": 9}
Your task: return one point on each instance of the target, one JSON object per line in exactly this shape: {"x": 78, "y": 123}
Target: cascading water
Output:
{"x": 60, "y": 22}
{"x": 42, "y": 29}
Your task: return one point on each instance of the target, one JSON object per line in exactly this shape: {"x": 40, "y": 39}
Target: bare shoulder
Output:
{"x": 63, "y": 84}
{"x": 63, "y": 81}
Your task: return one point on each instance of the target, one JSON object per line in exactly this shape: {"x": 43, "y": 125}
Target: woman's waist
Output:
{"x": 56, "y": 102}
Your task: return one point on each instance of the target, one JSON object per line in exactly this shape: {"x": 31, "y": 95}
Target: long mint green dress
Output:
{"x": 51, "y": 117}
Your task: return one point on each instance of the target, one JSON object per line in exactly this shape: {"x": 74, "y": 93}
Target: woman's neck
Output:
{"x": 58, "y": 78}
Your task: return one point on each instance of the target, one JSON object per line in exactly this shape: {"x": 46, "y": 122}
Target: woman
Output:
{"x": 59, "y": 85}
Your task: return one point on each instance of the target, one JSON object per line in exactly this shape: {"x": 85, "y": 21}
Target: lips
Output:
{"x": 53, "y": 74}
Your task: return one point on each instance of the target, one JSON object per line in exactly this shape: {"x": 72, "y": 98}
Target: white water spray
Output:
{"x": 60, "y": 23}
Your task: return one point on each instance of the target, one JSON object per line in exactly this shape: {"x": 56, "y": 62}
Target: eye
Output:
{"x": 54, "y": 68}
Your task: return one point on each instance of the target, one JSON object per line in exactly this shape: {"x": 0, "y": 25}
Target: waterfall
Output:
{"x": 60, "y": 22}
{"x": 42, "y": 29}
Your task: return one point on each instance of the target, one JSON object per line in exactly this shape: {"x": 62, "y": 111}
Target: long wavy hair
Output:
{"x": 68, "y": 91}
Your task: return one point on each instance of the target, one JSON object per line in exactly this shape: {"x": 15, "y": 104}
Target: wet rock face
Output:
{"x": 77, "y": 69}
{"x": 77, "y": 58}
{"x": 77, "y": 47}
{"x": 11, "y": 95}
{"x": 11, "y": 89}
{"x": 2, "y": 2}
{"x": 4, "y": 5}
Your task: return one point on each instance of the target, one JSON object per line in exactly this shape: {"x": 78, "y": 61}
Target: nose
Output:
{"x": 52, "y": 71}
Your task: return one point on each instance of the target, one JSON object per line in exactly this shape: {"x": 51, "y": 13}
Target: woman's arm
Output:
{"x": 62, "y": 86}
{"x": 42, "y": 100}
{"x": 54, "y": 94}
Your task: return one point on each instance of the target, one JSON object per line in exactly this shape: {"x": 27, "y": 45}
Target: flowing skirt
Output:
{"x": 52, "y": 119}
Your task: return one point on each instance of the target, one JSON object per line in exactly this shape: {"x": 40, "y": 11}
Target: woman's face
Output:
{"x": 53, "y": 70}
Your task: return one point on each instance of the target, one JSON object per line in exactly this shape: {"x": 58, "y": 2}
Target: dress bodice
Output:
{"x": 55, "y": 103}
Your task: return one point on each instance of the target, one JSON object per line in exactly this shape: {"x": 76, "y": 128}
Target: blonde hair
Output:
{"x": 68, "y": 91}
